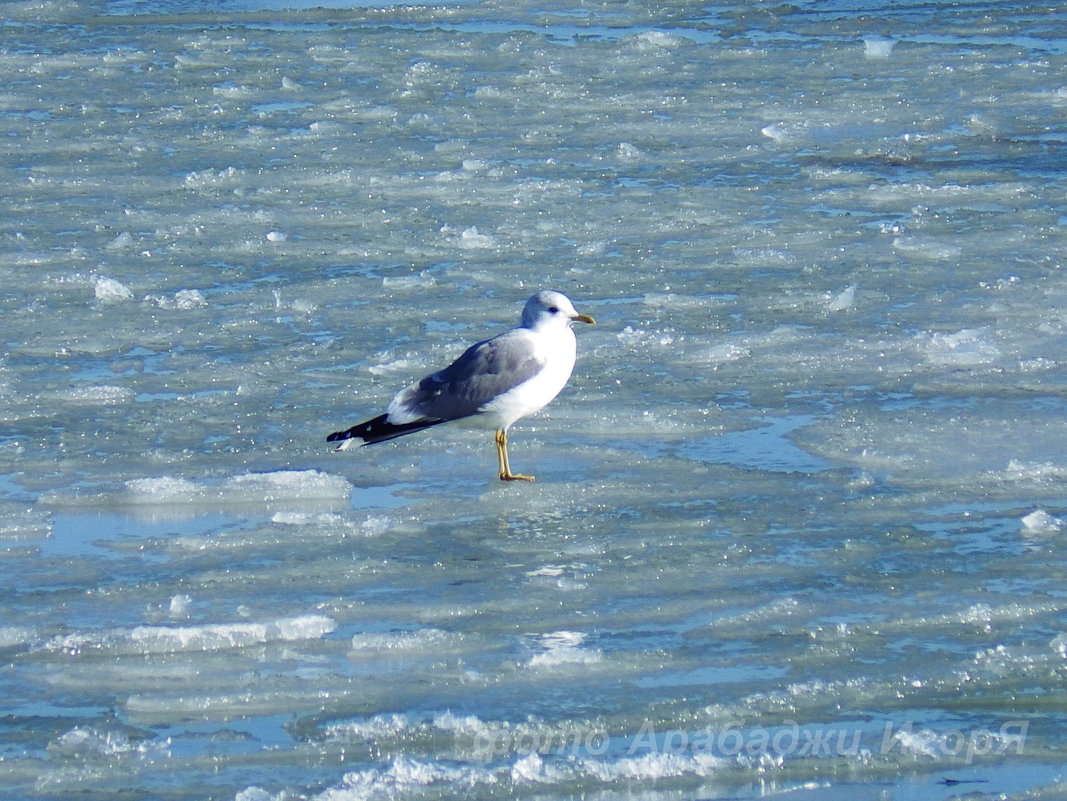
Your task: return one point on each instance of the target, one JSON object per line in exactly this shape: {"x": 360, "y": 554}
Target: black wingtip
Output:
{"x": 380, "y": 429}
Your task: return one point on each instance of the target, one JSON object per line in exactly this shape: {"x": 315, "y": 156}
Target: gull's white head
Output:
{"x": 549, "y": 308}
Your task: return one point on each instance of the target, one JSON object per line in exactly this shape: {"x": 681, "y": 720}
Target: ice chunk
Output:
{"x": 253, "y": 794}
{"x": 776, "y": 132}
{"x": 22, "y": 524}
{"x": 376, "y": 727}
{"x": 89, "y": 742}
{"x": 120, "y": 242}
{"x": 104, "y": 395}
{"x": 656, "y": 765}
{"x": 164, "y": 489}
{"x": 968, "y": 347}
{"x": 283, "y": 485}
{"x": 179, "y": 606}
{"x": 731, "y": 350}
{"x": 421, "y": 640}
{"x": 209, "y": 637}
{"x": 1040, "y": 473}
{"x": 877, "y": 49}
{"x": 1059, "y": 644}
{"x": 564, "y": 648}
{"x": 13, "y": 636}
{"x": 843, "y": 300}
{"x": 1041, "y": 522}
{"x": 660, "y": 39}
{"x": 926, "y": 248}
{"x": 182, "y": 299}
{"x": 394, "y": 366}
{"x": 471, "y": 239}
{"x": 287, "y": 485}
{"x": 529, "y": 768}
{"x": 111, "y": 291}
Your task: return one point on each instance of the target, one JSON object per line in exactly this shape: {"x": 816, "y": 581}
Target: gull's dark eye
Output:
{"x": 553, "y": 309}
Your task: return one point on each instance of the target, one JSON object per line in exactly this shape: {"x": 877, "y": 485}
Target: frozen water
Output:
{"x": 798, "y": 523}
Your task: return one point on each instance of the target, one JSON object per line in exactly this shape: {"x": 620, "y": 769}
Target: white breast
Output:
{"x": 558, "y": 347}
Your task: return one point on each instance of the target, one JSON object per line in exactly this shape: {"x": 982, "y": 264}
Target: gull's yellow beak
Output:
{"x": 584, "y": 318}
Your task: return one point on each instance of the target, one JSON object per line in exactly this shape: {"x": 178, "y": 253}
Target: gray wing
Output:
{"x": 484, "y": 371}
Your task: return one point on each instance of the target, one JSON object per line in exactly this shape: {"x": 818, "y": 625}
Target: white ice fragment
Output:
{"x": 165, "y": 489}
{"x": 876, "y": 48}
{"x": 925, "y": 248}
{"x": 276, "y": 236}
{"x": 188, "y": 299}
{"x": 287, "y": 518}
{"x": 183, "y": 299}
{"x": 1041, "y": 522}
{"x": 564, "y": 648}
{"x": 1038, "y": 364}
{"x": 11, "y": 636}
{"x": 1035, "y": 471}
{"x": 395, "y": 366}
{"x": 253, "y": 794}
{"x": 546, "y": 570}
{"x": 209, "y": 176}
{"x": 465, "y": 724}
{"x": 776, "y": 132}
{"x": 530, "y": 768}
{"x": 471, "y": 239}
{"x": 1059, "y": 645}
{"x": 967, "y": 347}
{"x": 89, "y": 742}
{"x": 326, "y": 128}
{"x": 180, "y": 605}
{"x": 660, "y": 39}
{"x": 408, "y": 282}
{"x": 726, "y": 352}
{"x": 843, "y": 300}
{"x": 378, "y": 524}
{"x": 23, "y": 524}
{"x": 103, "y": 395}
{"x": 120, "y": 242}
{"x": 420, "y": 640}
{"x": 290, "y": 85}
{"x": 299, "y": 305}
{"x": 111, "y": 291}
{"x": 218, "y": 636}
{"x": 628, "y": 152}
{"x": 230, "y": 90}
{"x": 372, "y": 728}
{"x": 982, "y": 126}
{"x": 281, "y": 485}
{"x": 488, "y": 92}
{"x": 286, "y": 485}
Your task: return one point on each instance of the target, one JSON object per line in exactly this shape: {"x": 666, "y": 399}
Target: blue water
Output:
{"x": 799, "y": 515}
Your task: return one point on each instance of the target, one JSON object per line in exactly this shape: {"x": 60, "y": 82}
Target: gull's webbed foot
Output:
{"x": 515, "y": 477}
{"x": 502, "y": 460}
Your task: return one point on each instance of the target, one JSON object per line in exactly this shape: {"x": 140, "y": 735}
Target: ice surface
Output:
{"x": 110, "y": 290}
{"x": 266, "y": 489}
{"x": 807, "y": 482}
{"x": 211, "y": 637}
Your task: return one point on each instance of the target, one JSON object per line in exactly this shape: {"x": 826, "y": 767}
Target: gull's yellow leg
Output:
{"x": 501, "y": 454}
{"x": 502, "y": 459}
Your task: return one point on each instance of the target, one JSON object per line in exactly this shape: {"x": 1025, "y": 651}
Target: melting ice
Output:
{"x": 799, "y": 515}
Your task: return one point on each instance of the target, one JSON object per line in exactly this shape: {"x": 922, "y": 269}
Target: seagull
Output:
{"x": 494, "y": 383}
